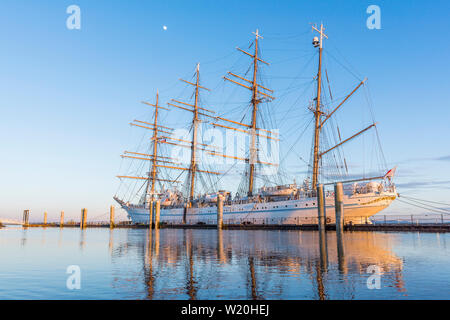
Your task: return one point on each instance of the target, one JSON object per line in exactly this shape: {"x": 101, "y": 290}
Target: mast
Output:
{"x": 153, "y": 157}
{"x": 195, "y": 120}
{"x": 317, "y": 112}
{"x": 158, "y": 130}
{"x": 152, "y": 175}
{"x": 255, "y": 102}
{"x": 155, "y": 146}
{"x": 253, "y": 86}
{"x": 319, "y": 123}
{"x": 193, "y": 144}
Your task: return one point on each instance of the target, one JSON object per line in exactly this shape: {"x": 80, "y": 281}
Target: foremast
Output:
{"x": 153, "y": 157}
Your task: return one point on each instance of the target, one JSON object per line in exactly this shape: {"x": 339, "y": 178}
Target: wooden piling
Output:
{"x": 111, "y": 217}
{"x": 339, "y": 206}
{"x": 26, "y": 217}
{"x": 83, "y": 218}
{"x": 321, "y": 207}
{"x": 219, "y": 211}
{"x": 61, "y": 220}
{"x": 185, "y": 209}
{"x": 157, "y": 213}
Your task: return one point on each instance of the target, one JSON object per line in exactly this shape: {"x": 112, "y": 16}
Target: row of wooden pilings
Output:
{"x": 83, "y": 218}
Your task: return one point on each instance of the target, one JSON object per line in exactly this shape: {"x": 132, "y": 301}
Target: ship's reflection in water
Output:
{"x": 238, "y": 264}
{"x": 228, "y": 264}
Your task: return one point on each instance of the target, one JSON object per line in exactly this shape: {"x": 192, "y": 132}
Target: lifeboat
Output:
{"x": 278, "y": 191}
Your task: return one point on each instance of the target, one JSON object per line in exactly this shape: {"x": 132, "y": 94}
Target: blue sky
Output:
{"x": 66, "y": 96}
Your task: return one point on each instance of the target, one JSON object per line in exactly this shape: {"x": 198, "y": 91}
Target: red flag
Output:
{"x": 390, "y": 174}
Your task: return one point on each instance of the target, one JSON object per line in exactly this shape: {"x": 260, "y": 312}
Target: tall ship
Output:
{"x": 172, "y": 168}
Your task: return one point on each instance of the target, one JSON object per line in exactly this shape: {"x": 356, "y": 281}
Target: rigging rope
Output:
{"x": 426, "y": 208}
{"x": 417, "y": 199}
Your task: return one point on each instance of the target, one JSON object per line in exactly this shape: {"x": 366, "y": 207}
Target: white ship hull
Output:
{"x": 357, "y": 209}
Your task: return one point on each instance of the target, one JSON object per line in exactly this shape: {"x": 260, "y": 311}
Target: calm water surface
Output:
{"x": 232, "y": 264}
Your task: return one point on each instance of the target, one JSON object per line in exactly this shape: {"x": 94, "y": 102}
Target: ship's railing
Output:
{"x": 411, "y": 219}
{"x": 107, "y": 223}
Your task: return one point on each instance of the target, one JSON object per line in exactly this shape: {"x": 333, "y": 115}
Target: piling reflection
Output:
{"x": 111, "y": 241}
{"x": 341, "y": 252}
{"x": 321, "y": 268}
{"x": 320, "y": 283}
{"x": 59, "y": 237}
{"x": 207, "y": 264}
{"x": 323, "y": 251}
{"x": 220, "y": 250}
{"x": 444, "y": 244}
{"x": 190, "y": 282}
{"x": 156, "y": 234}
{"x": 23, "y": 239}
{"x": 82, "y": 238}
{"x": 252, "y": 279}
{"x": 148, "y": 266}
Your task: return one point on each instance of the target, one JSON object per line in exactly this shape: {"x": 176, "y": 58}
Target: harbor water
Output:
{"x": 99, "y": 263}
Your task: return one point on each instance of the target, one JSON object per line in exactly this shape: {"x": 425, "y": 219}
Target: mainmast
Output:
{"x": 253, "y": 158}
{"x": 255, "y": 102}
{"x": 195, "y": 121}
{"x": 317, "y": 112}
